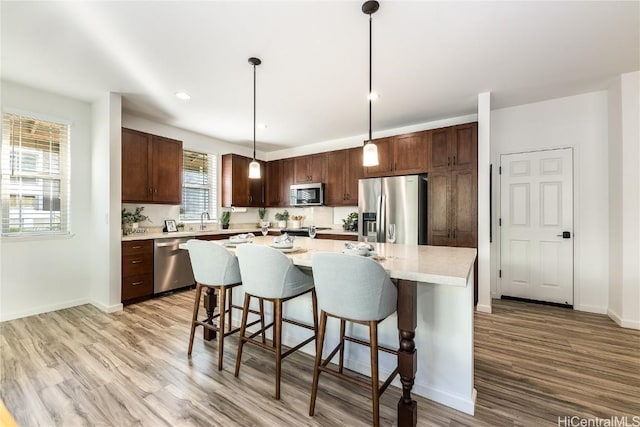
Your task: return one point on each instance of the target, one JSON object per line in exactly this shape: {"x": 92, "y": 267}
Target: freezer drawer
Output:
{"x": 172, "y": 266}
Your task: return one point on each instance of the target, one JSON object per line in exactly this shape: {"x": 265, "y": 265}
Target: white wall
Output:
{"x": 44, "y": 275}
{"x": 484, "y": 245}
{"x": 580, "y": 122}
{"x": 106, "y": 195}
{"x": 624, "y": 188}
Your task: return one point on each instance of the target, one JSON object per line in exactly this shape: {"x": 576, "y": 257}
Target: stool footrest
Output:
{"x": 368, "y": 344}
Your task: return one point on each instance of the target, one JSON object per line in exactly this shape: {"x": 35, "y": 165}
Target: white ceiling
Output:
{"x": 430, "y": 59}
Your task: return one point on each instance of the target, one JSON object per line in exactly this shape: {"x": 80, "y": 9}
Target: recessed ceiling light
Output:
{"x": 183, "y": 95}
{"x": 373, "y": 96}
{"x": 261, "y": 125}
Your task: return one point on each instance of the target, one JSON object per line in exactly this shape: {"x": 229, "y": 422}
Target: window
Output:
{"x": 35, "y": 176}
{"x": 199, "y": 191}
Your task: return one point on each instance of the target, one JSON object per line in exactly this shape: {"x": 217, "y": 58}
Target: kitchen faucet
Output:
{"x": 202, "y": 215}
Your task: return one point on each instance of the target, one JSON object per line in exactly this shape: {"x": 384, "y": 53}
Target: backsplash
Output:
{"x": 320, "y": 216}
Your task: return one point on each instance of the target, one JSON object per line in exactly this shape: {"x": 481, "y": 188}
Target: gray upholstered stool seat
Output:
{"x": 269, "y": 274}
{"x": 355, "y": 289}
{"x": 215, "y": 268}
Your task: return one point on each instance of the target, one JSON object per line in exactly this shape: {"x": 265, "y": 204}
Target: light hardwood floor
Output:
{"x": 80, "y": 366}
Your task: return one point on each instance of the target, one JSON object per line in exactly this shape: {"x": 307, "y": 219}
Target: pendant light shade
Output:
{"x": 254, "y": 166}
{"x": 370, "y": 151}
{"x": 370, "y": 154}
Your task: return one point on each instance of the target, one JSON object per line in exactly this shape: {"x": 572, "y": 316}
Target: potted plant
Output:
{"x": 282, "y": 218}
{"x": 180, "y": 226}
{"x": 350, "y": 223}
{"x": 262, "y": 213}
{"x": 131, "y": 220}
{"x": 296, "y": 221}
{"x": 224, "y": 219}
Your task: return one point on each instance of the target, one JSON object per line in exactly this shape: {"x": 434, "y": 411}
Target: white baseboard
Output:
{"x": 106, "y": 308}
{"x": 630, "y": 324}
{"x": 482, "y": 308}
{"x": 42, "y": 309}
{"x": 590, "y": 308}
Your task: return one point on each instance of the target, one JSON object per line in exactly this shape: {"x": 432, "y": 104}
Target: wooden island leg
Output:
{"x": 407, "y": 359}
{"x": 210, "y": 301}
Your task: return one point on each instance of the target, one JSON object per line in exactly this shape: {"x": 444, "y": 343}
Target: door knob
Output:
{"x": 565, "y": 235}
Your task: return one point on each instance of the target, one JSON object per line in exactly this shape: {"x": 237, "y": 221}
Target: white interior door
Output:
{"x": 536, "y": 235}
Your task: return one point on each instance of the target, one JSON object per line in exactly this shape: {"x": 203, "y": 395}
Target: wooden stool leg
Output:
{"x": 230, "y": 304}
{"x": 375, "y": 386}
{"x": 195, "y": 317}
{"x": 222, "y": 291}
{"x": 243, "y": 327}
{"x": 318, "y": 360}
{"x": 314, "y": 301}
{"x": 278, "y": 342}
{"x": 264, "y": 336}
{"x": 342, "y": 328}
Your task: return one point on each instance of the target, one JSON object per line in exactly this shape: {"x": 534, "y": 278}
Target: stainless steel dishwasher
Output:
{"x": 171, "y": 265}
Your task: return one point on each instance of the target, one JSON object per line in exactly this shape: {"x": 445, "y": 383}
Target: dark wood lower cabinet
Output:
{"x": 347, "y": 237}
{"x": 137, "y": 271}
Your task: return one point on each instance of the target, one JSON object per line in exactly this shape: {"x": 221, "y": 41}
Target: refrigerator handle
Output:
{"x": 381, "y": 219}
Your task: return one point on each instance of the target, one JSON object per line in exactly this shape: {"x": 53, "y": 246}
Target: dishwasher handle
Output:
{"x": 165, "y": 245}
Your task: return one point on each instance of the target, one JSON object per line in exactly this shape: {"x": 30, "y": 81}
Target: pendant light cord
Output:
{"x": 254, "y": 112}
{"x": 370, "y": 74}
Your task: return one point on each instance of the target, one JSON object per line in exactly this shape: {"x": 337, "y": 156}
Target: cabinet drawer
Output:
{"x": 137, "y": 247}
{"x": 133, "y": 265}
{"x": 137, "y": 286}
{"x": 337, "y": 237}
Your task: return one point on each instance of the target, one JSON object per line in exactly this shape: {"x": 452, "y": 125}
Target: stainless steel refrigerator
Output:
{"x": 399, "y": 200}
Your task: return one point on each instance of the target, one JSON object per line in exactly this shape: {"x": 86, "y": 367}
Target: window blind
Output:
{"x": 35, "y": 176}
{"x": 199, "y": 189}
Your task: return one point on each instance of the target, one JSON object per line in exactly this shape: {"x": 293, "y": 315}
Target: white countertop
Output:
{"x": 432, "y": 264}
{"x": 232, "y": 231}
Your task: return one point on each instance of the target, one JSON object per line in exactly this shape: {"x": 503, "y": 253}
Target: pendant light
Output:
{"x": 254, "y": 166}
{"x": 370, "y": 151}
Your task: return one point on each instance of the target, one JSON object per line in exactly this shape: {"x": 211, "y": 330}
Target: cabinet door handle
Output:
{"x": 454, "y": 160}
{"x": 150, "y": 190}
{"x": 136, "y": 261}
{"x": 448, "y": 161}
{"x": 448, "y": 234}
{"x": 155, "y": 191}
{"x": 136, "y": 247}
{"x": 454, "y": 233}
{"x": 136, "y": 283}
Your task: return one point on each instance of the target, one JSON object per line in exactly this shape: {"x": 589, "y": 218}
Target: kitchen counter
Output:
{"x": 231, "y": 232}
{"x": 436, "y": 282}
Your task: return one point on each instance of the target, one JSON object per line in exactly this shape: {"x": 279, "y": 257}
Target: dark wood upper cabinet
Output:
{"x": 385, "y": 159}
{"x": 410, "y": 153}
{"x": 311, "y": 168}
{"x": 237, "y": 188}
{"x": 344, "y": 169}
{"x": 355, "y": 171}
{"x": 151, "y": 168}
{"x": 454, "y": 148}
{"x": 287, "y": 171}
{"x": 401, "y": 155}
{"x": 272, "y": 185}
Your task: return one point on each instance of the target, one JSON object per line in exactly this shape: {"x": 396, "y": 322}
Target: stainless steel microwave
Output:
{"x": 306, "y": 194}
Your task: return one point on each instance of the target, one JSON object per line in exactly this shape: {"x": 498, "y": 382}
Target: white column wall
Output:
{"x": 580, "y": 122}
{"x": 624, "y": 206}
{"x": 41, "y": 275}
{"x": 484, "y": 220}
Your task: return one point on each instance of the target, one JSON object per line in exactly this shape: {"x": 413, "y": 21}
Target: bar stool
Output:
{"x": 269, "y": 274}
{"x": 214, "y": 267}
{"x": 354, "y": 289}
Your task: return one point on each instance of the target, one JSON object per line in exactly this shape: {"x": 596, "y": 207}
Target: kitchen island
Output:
{"x": 435, "y": 316}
